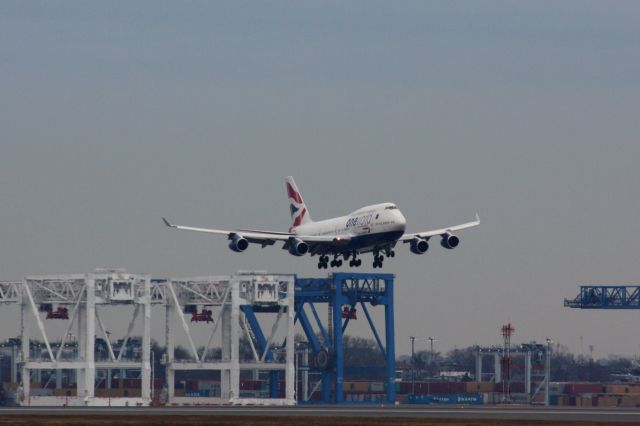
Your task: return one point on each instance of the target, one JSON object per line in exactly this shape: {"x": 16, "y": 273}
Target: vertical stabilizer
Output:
{"x": 299, "y": 213}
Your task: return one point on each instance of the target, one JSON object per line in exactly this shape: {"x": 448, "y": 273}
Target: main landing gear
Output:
{"x": 377, "y": 260}
{"x": 323, "y": 262}
{"x": 355, "y": 262}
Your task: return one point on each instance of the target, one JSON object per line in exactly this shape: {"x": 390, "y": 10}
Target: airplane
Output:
{"x": 372, "y": 229}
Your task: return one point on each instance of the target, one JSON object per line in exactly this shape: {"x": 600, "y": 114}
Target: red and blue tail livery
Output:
{"x": 299, "y": 212}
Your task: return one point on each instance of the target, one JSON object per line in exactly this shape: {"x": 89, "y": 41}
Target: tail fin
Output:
{"x": 299, "y": 213}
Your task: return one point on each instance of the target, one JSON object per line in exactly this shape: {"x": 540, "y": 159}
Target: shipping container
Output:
{"x": 634, "y": 388}
{"x": 556, "y": 388}
{"x": 65, "y": 392}
{"x": 580, "y": 388}
{"x": 132, "y": 393}
{"x": 584, "y": 401}
{"x": 607, "y": 401}
{"x": 376, "y": 387}
{"x": 616, "y": 389}
{"x": 198, "y": 393}
{"x": 42, "y": 392}
{"x": 479, "y": 387}
{"x": 356, "y": 386}
{"x": 110, "y": 393}
{"x": 629, "y": 401}
{"x": 464, "y": 398}
{"x": 514, "y": 387}
{"x": 405, "y": 388}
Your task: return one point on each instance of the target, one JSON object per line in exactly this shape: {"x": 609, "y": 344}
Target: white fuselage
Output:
{"x": 370, "y": 228}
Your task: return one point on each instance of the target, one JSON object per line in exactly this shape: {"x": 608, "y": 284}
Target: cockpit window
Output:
{"x": 390, "y": 208}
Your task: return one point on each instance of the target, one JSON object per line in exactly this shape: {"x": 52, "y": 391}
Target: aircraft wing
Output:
{"x": 267, "y": 237}
{"x": 441, "y": 231}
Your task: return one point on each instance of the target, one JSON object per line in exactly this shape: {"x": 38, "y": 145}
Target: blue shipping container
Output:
{"x": 197, "y": 393}
{"x": 456, "y": 398}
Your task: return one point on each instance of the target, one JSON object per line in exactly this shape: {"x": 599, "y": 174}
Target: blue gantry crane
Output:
{"x": 343, "y": 293}
{"x": 606, "y": 297}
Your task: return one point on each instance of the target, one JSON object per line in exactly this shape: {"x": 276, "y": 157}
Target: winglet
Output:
{"x": 166, "y": 222}
{"x": 477, "y": 218}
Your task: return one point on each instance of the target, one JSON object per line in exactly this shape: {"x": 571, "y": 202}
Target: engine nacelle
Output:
{"x": 419, "y": 246}
{"x": 238, "y": 243}
{"x": 449, "y": 241}
{"x": 298, "y": 247}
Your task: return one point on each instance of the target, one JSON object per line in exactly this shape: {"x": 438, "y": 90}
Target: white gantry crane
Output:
{"x": 228, "y": 305}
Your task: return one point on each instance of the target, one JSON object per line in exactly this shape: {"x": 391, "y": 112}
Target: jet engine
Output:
{"x": 419, "y": 246}
{"x": 449, "y": 241}
{"x": 298, "y": 247}
{"x": 238, "y": 243}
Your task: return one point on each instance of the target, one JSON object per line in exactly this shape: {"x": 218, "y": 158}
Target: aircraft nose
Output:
{"x": 400, "y": 220}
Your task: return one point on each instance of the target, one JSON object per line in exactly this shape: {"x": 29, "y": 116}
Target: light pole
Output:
{"x": 413, "y": 367}
{"x": 431, "y": 340}
{"x": 72, "y": 374}
{"x": 109, "y": 372}
{"x": 153, "y": 371}
{"x": 547, "y": 367}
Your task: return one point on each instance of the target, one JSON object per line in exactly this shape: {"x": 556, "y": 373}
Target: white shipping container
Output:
{"x": 376, "y": 387}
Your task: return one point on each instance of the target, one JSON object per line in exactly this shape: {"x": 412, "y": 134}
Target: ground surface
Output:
{"x": 265, "y": 421}
{"x": 372, "y": 415}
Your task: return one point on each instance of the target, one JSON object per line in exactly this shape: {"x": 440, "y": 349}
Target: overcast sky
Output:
{"x": 113, "y": 114}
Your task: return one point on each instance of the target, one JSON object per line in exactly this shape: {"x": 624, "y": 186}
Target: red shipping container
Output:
{"x": 131, "y": 383}
{"x": 579, "y": 388}
{"x": 457, "y": 387}
{"x": 438, "y": 388}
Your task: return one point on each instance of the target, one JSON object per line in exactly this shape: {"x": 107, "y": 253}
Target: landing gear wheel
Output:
{"x": 338, "y": 263}
{"x": 358, "y": 262}
{"x": 323, "y": 262}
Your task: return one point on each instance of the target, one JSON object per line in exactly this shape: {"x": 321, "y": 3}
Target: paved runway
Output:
{"x": 595, "y": 414}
